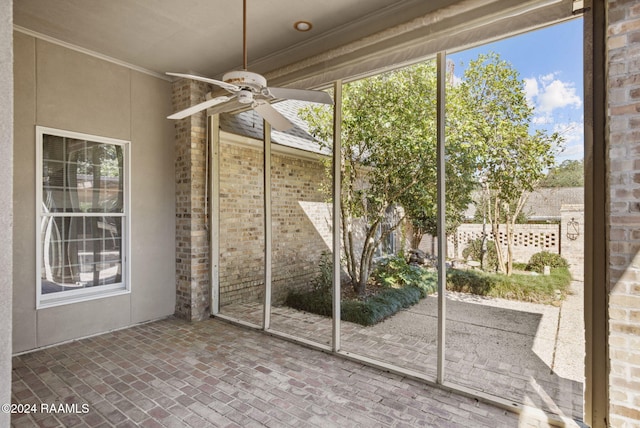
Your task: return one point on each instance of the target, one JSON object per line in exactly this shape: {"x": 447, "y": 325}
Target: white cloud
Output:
{"x": 558, "y": 94}
{"x": 531, "y": 90}
{"x": 573, "y": 151}
{"x": 544, "y": 119}
{"x": 546, "y": 94}
{"x": 572, "y": 132}
{"x": 548, "y": 77}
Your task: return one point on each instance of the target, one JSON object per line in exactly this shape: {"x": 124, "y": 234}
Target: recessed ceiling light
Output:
{"x": 302, "y": 26}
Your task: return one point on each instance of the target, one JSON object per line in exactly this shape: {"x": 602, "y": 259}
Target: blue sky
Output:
{"x": 550, "y": 63}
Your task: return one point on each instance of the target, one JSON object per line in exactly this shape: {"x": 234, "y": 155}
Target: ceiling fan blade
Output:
{"x": 228, "y": 86}
{"x": 198, "y": 107}
{"x": 273, "y": 116}
{"x": 302, "y": 95}
{"x": 231, "y": 105}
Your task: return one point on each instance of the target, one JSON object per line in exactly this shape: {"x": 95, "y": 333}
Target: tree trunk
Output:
{"x": 509, "y": 264}
{"x": 494, "y": 219}
{"x": 416, "y": 237}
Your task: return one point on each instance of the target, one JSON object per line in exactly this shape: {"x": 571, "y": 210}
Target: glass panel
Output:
{"x": 80, "y": 252}
{"x": 241, "y": 232}
{"x": 81, "y": 176}
{"x": 301, "y": 226}
{"x": 389, "y": 308}
{"x": 511, "y": 330}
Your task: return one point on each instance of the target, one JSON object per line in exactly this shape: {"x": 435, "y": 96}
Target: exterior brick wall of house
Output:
{"x": 192, "y": 243}
{"x": 241, "y": 225}
{"x": 300, "y": 220}
{"x": 623, "y": 51}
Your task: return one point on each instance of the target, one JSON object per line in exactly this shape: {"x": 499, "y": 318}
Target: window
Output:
{"x": 82, "y": 203}
{"x": 388, "y": 245}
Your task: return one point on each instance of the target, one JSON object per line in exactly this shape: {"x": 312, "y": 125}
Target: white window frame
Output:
{"x": 96, "y": 292}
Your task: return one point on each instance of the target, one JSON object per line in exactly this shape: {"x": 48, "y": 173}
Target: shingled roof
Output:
{"x": 249, "y": 124}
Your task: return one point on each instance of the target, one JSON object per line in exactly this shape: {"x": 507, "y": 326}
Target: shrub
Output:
{"x": 380, "y": 306}
{"x": 473, "y": 251}
{"x": 538, "y": 261}
{"x": 324, "y": 281}
{"x": 316, "y": 302}
{"x": 404, "y": 285}
{"x": 396, "y": 272}
{"x": 368, "y": 312}
{"x": 524, "y": 287}
{"x": 470, "y": 281}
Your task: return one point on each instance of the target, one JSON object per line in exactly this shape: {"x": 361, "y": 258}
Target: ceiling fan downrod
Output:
{"x": 244, "y": 35}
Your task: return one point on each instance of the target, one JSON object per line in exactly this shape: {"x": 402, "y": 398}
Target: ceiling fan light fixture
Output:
{"x": 303, "y": 26}
{"x": 245, "y": 96}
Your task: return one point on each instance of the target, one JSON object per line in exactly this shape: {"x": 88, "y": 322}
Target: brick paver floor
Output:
{"x": 505, "y": 350}
{"x": 172, "y": 373}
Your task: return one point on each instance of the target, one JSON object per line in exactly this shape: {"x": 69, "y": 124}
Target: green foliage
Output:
{"x": 367, "y": 312}
{"x": 388, "y": 157}
{"x": 316, "y": 302}
{"x": 494, "y": 119}
{"x": 379, "y": 306}
{"x": 405, "y": 285}
{"x": 538, "y": 261}
{"x": 528, "y": 288}
{"x": 396, "y": 272}
{"x": 324, "y": 281}
{"x": 473, "y": 251}
{"x": 570, "y": 173}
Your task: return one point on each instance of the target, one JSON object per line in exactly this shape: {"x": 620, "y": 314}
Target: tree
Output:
{"x": 388, "y": 159}
{"x": 494, "y": 120}
{"x": 570, "y": 173}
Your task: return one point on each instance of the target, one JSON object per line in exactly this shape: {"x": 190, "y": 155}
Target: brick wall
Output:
{"x": 300, "y": 223}
{"x": 241, "y": 225}
{"x": 192, "y": 244}
{"x": 623, "y": 50}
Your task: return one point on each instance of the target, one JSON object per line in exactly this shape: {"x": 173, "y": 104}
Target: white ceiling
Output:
{"x": 205, "y": 36}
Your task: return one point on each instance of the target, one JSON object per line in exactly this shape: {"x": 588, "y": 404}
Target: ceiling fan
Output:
{"x": 249, "y": 89}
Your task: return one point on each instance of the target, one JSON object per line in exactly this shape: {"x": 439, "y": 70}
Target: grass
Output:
{"x": 523, "y": 287}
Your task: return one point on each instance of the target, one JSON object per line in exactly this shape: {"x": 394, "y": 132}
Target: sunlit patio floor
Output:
{"x": 528, "y": 353}
{"x": 172, "y": 373}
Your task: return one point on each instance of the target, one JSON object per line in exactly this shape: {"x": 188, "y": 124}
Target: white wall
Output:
{"x": 61, "y": 88}
{"x": 6, "y": 168}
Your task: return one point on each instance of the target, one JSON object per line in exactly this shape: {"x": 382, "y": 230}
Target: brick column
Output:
{"x": 192, "y": 245}
{"x": 623, "y": 155}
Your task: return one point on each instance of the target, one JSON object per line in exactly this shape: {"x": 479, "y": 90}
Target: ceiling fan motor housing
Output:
{"x": 245, "y": 79}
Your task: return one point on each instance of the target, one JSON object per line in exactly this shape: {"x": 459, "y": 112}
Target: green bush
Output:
{"x": 324, "y": 281}
{"x": 470, "y": 281}
{"x": 473, "y": 251}
{"x": 379, "y": 306}
{"x": 538, "y": 261}
{"x": 368, "y": 312}
{"x": 316, "y": 302}
{"x": 523, "y": 287}
{"x": 396, "y": 272}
